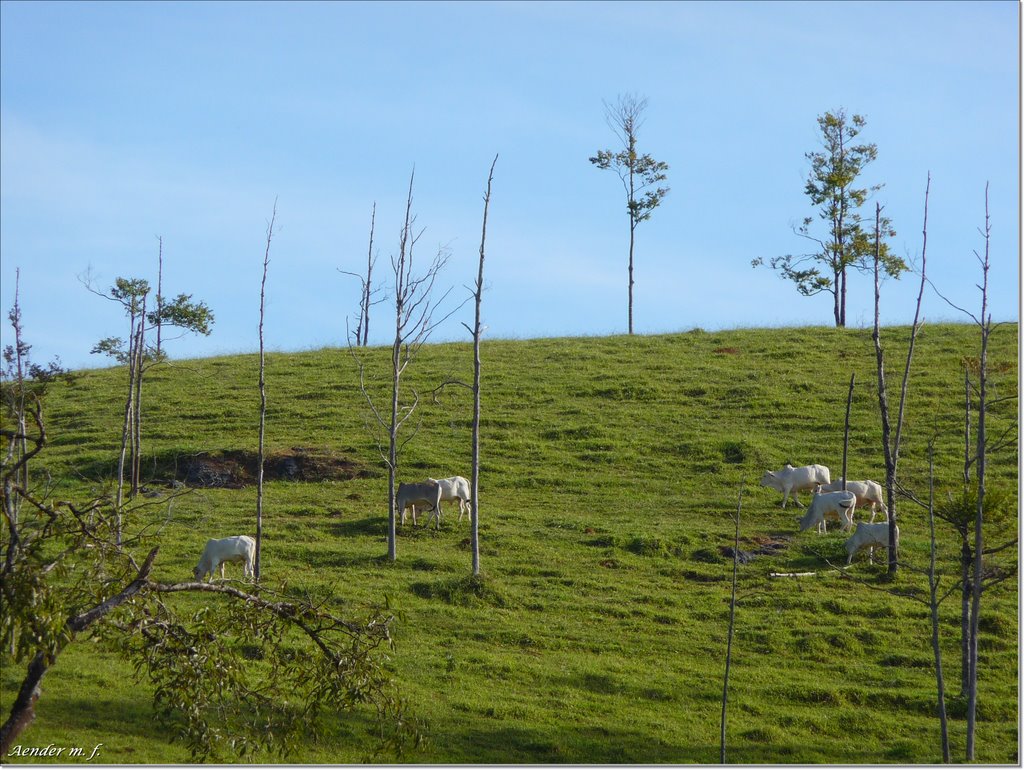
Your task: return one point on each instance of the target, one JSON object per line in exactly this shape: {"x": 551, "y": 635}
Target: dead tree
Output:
{"x": 263, "y": 404}
{"x": 984, "y": 322}
{"x": 476, "y": 331}
{"x": 415, "y": 309}
{"x": 969, "y": 513}
{"x": 367, "y": 292}
{"x": 891, "y": 439}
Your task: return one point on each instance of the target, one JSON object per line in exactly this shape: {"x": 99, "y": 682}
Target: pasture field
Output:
{"x": 611, "y": 468}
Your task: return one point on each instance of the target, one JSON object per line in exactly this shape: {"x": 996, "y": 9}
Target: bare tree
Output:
{"x": 640, "y": 174}
{"x": 476, "y": 331}
{"x": 263, "y": 404}
{"x": 415, "y": 308}
{"x": 984, "y": 322}
{"x": 891, "y": 440}
{"x": 367, "y": 292}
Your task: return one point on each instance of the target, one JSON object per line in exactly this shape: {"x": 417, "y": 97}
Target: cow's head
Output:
{"x": 808, "y": 520}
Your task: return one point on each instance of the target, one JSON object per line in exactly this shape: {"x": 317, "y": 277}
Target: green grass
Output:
{"x": 610, "y": 469}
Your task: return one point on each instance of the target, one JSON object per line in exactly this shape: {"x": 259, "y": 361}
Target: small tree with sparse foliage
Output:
{"x": 641, "y": 175}
{"x": 831, "y": 187}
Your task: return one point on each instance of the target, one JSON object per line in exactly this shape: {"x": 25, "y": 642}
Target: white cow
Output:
{"x": 217, "y": 553}
{"x": 868, "y": 492}
{"x": 838, "y": 504}
{"x": 869, "y": 536}
{"x": 793, "y": 480}
{"x": 424, "y": 492}
{"x": 455, "y": 488}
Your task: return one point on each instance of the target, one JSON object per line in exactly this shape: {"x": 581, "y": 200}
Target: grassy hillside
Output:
{"x": 610, "y": 471}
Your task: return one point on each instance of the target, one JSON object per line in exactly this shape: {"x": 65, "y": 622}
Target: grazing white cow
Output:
{"x": 868, "y": 493}
{"x": 869, "y": 536}
{"x": 839, "y": 504}
{"x": 424, "y": 492}
{"x": 217, "y": 553}
{"x": 793, "y": 480}
{"x": 455, "y": 488}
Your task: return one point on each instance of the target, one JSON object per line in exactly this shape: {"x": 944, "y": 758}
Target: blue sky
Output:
{"x": 121, "y": 122}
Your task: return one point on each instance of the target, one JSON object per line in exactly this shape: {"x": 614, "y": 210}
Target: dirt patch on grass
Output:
{"x": 235, "y": 469}
{"x": 759, "y": 545}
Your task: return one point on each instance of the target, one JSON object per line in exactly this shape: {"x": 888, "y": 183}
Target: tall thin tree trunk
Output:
{"x": 140, "y": 359}
{"x": 632, "y": 230}
{"x": 966, "y": 560}
{"x": 22, "y": 443}
{"x": 632, "y": 224}
{"x": 258, "y": 562}
{"x": 732, "y": 626}
{"x": 842, "y": 301}
{"x": 985, "y": 323}
{"x": 474, "y": 509}
{"x": 933, "y": 589}
{"x": 967, "y": 425}
{"x": 159, "y": 293}
{"x": 883, "y": 404}
{"x": 126, "y": 431}
{"x": 396, "y": 353}
{"x": 405, "y": 245}
{"x": 966, "y": 557}
{"x": 846, "y": 427}
{"x": 835, "y": 298}
{"x": 369, "y": 272}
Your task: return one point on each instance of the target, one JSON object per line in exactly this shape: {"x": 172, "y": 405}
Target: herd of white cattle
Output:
{"x": 829, "y": 499}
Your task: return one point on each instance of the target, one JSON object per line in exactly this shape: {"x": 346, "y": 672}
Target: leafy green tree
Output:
{"x": 831, "y": 187}
{"x": 641, "y": 175}
{"x": 180, "y": 313}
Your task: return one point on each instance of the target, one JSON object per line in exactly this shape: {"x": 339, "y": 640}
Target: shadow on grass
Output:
{"x": 371, "y": 526}
{"x": 125, "y": 728}
{"x": 593, "y": 746}
{"x": 563, "y": 744}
